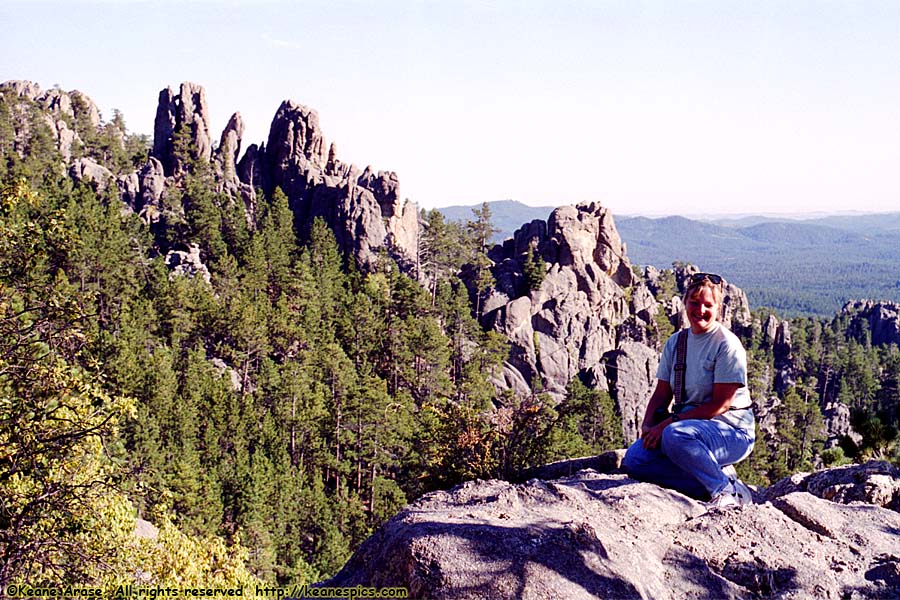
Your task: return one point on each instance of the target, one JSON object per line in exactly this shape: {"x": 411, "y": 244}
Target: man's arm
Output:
{"x": 723, "y": 394}
{"x": 661, "y": 397}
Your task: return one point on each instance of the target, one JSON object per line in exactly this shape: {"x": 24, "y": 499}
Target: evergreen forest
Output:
{"x": 799, "y": 268}
{"x": 268, "y": 418}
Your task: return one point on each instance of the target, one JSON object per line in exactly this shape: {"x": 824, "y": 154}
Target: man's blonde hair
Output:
{"x": 694, "y": 288}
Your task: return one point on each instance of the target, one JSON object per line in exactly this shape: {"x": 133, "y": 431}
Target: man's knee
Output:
{"x": 634, "y": 457}
{"x": 639, "y": 462}
{"x": 676, "y": 433}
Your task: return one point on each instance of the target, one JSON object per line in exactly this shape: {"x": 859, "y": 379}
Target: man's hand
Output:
{"x": 652, "y": 436}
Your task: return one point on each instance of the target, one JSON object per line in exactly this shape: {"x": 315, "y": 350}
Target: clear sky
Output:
{"x": 649, "y": 107}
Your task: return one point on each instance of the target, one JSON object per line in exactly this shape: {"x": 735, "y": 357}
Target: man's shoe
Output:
{"x": 733, "y": 495}
{"x": 724, "y": 499}
{"x": 741, "y": 491}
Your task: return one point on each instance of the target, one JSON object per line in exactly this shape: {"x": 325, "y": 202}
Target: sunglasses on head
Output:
{"x": 700, "y": 277}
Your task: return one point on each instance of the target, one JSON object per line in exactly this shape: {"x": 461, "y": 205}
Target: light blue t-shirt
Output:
{"x": 716, "y": 356}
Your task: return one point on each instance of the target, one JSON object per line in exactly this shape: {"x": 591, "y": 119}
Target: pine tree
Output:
{"x": 104, "y": 263}
{"x": 204, "y": 213}
{"x": 442, "y": 250}
{"x": 534, "y": 269}
{"x": 480, "y": 231}
{"x": 758, "y": 468}
{"x": 594, "y": 416}
{"x": 522, "y": 441}
{"x": 800, "y": 431}
{"x": 326, "y": 268}
{"x": 858, "y": 377}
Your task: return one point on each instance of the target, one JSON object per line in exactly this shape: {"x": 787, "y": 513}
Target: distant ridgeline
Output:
{"x": 506, "y": 216}
{"x": 808, "y": 267}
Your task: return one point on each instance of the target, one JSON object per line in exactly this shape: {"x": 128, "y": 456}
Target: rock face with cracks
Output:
{"x": 563, "y": 328}
{"x": 363, "y": 208}
{"x": 596, "y": 535}
{"x": 882, "y": 319}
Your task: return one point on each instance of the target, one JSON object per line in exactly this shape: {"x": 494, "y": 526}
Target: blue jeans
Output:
{"x": 690, "y": 457}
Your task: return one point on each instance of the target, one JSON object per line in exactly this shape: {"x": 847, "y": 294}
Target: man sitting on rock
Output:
{"x": 711, "y": 425}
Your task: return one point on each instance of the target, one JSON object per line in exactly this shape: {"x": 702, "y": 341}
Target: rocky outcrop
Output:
{"x": 226, "y": 161}
{"x": 879, "y": 319}
{"x": 187, "y": 263}
{"x": 876, "y": 483}
{"x": 295, "y": 139}
{"x": 564, "y": 328}
{"x": 84, "y": 108}
{"x": 72, "y": 117}
{"x": 230, "y": 145}
{"x": 88, "y": 171}
{"x": 66, "y": 139}
{"x": 364, "y": 209}
{"x": 595, "y": 535}
{"x": 152, "y": 183}
{"x": 59, "y": 110}
{"x": 185, "y": 114}
{"x": 838, "y": 425}
{"x": 23, "y": 89}
{"x": 234, "y": 378}
{"x": 143, "y": 190}
{"x": 250, "y": 166}
{"x": 631, "y": 372}
{"x": 769, "y": 331}
{"x": 785, "y": 370}
{"x": 60, "y": 104}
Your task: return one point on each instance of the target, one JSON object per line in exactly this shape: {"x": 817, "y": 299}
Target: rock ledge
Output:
{"x": 595, "y": 535}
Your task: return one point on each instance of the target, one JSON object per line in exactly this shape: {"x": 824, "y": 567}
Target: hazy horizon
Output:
{"x": 709, "y": 107}
{"x": 704, "y": 216}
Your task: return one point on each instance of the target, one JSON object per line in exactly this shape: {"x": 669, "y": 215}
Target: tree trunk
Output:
{"x": 335, "y": 398}
{"x": 372, "y": 484}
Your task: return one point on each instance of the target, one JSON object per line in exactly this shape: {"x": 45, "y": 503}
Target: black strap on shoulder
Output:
{"x": 680, "y": 366}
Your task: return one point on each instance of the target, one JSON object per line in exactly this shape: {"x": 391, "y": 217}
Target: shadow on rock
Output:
{"x": 512, "y": 562}
{"x": 761, "y": 579}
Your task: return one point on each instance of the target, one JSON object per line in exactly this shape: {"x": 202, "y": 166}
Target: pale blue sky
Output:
{"x": 647, "y": 107}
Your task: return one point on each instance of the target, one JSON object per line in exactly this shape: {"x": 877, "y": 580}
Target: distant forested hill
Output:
{"x": 807, "y": 267}
{"x": 506, "y": 215}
